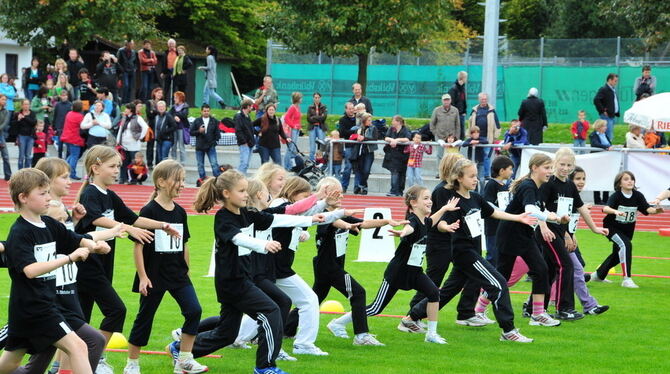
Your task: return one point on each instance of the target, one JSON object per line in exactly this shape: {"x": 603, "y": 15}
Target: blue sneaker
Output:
{"x": 172, "y": 351}
{"x": 270, "y": 370}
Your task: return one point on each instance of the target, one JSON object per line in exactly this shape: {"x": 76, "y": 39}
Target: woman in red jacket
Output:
{"x": 148, "y": 62}
{"x": 292, "y": 120}
{"x": 72, "y": 137}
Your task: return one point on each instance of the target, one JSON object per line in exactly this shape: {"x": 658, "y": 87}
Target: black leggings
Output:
{"x": 109, "y": 302}
{"x": 537, "y": 268}
{"x": 622, "y": 253}
{"x": 559, "y": 269}
{"x": 386, "y": 292}
{"x": 438, "y": 258}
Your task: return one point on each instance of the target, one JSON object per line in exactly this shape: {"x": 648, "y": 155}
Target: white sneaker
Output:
{"x": 240, "y": 344}
{"x": 594, "y": 278}
{"x": 473, "y": 321}
{"x": 485, "y": 318}
{"x": 308, "y": 349}
{"x": 543, "y": 319}
{"x": 422, "y": 324}
{"x": 283, "y": 356}
{"x": 176, "y": 334}
{"x": 433, "y": 337}
{"x": 131, "y": 368}
{"x": 368, "y": 339}
{"x": 104, "y": 367}
{"x": 514, "y": 336}
{"x": 189, "y": 366}
{"x": 628, "y": 283}
{"x": 407, "y": 325}
{"x": 337, "y": 329}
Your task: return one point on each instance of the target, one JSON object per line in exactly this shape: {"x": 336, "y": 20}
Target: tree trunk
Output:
{"x": 363, "y": 71}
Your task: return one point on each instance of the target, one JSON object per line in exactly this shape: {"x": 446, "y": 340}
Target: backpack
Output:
{"x": 380, "y": 126}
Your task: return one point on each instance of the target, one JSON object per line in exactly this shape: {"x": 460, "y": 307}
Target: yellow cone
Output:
{"x": 118, "y": 341}
{"x": 332, "y": 306}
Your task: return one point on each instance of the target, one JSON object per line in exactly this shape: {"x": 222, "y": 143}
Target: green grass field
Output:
{"x": 633, "y": 336}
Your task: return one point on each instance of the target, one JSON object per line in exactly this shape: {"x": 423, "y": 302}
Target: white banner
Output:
{"x": 601, "y": 167}
{"x": 376, "y": 245}
{"x": 652, "y": 173}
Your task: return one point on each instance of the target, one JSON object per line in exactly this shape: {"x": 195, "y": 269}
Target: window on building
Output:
{"x": 12, "y": 64}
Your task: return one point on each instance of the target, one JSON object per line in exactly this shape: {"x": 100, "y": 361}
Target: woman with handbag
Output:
{"x": 96, "y": 125}
{"x": 129, "y": 138}
{"x": 179, "y": 112}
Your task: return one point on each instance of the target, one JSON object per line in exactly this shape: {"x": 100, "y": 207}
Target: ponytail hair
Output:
{"x": 412, "y": 193}
{"x": 170, "y": 171}
{"x": 255, "y": 186}
{"x": 96, "y": 155}
{"x": 211, "y": 192}
{"x": 457, "y": 171}
{"x": 446, "y": 163}
{"x": 536, "y": 160}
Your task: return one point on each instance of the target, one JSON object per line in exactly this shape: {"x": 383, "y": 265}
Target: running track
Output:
{"x": 137, "y": 196}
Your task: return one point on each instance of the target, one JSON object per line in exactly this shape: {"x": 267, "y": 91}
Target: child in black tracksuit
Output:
{"x": 496, "y": 192}
{"x": 621, "y": 211}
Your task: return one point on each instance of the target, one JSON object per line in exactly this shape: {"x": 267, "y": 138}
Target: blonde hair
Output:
{"x": 24, "y": 181}
{"x": 294, "y": 185}
{"x": 536, "y": 160}
{"x": 168, "y": 170}
{"x": 96, "y": 155}
{"x": 295, "y": 97}
{"x": 255, "y": 186}
{"x": 565, "y": 152}
{"x": 412, "y": 193}
{"x": 211, "y": 192}
{"x": 359, "y": 106}
{"x": 458, "y": 171}
{"x": 599, "y": 123}
{"x": 267, "y": 172}
{"x": 446, "y": 163}
{"x": 328, "y": 181}
{"x": 364, "y": 117}
{"x": 53, "y": 167}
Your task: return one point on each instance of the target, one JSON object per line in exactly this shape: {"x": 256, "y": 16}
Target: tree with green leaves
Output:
{"x": 36, "y": 22}
{"x": 648, "y": 18}
{"x": 355, "y": 27}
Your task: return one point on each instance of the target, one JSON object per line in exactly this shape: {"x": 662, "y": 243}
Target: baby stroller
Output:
{"x": 306, "y": 168}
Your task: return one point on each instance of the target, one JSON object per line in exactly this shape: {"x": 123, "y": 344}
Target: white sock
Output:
{"x": 345, "y": 319}
{"x": 134, "y": 361}
{"x": 361, "y": 336}
{"x": 432, "y": 327}
{"x": 183, "y": 356}
{"x": 627, "y": 278}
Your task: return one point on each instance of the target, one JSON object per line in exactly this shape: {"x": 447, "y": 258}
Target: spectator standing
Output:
{"x": 164, "y": 127}
{"x": 599, "y": 139}
{"x": 316, "y": 118}
{"x": 445, "y": 121}
{"x": 74, "y": 65}
{"x": 108, "y": 74}
{"x": 87, "y": 89}
{"x": 60, "y": 69}
{"x": 40, "y": 145}
{"x": 167, "y": 67}
{"x": 179, "y": 112}
{"x": 180, "y": 73}
{"x": 346, "y": 127}
{"x": 61, "y": 109}
{"x": 245, "y": 134}
{"x": 634, "y": 138}
{"x": 132, "y": 130}
{"x": 127, "y": 59}
{"x": 358, "y": 98}
{"x": 5, "y": 119}
{"x": 156, "y": 96}
{"x": 206, "y": 131}
{"x": 606, "y": 102}
{"x": 41, "y": 104}
{"x": 459, "y": 95}
{"x": 265, "y": 95}
{"x": 148, "y": 62}
{"x": 515, "y": 136}
{"x": 415, "y": 161}
{"x": 579, "y": 130}
{"x": 645, "y": 84}
{"x": 210, "y": 77}
{"x": 268, "y": 137}
{"x": 72, "y": 138}
{"x": 97, "y": 124}
{"x": 9, "y": 91}
{"x": 292, "y": 119}
{"x": 338, "y": 154}
{"x": 479, "y": 153}
{"x": 533, "y": 116}
{"x": 364, "y": 154}
{"x": 63, "y": 84}
{"x": 24, "y": 122}
{"x": 395, "y": 155}
{"x": 33, "y": 78}
{"x": 484, "y": 116}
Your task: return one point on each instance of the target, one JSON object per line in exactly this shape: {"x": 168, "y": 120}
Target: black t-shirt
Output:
{"x": 407, "y": 261}
{"x": 164, "y": 261}
{"x": 561, "y": 198}
{"x": 628, "y": 205}
{"x": 331, "y": 246}
{"x": 66, "y": 288}
{"x": 263, "y": 265}
{"x": 289, "y": 239}
{"x": 493, "y": 193}
{"x": 515, "y": 238}
{"x": 100, "y": 204}
{"x": 439, "y": 241}
{"x": 32, "y": 303}
{"x": 233, "y": 263}
{"x": 471, "y": 214}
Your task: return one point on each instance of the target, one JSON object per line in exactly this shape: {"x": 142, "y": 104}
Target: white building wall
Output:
{"x": 25, "y": 53}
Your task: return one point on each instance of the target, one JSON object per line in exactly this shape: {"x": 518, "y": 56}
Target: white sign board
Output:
{"x": 377, "y": 245}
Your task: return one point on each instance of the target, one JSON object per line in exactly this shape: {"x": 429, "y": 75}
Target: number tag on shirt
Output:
{"x": 630, "y": 214}
{"x": 244, "y": 251}
{"x": 564, "y": 206}
{"x": 45, "y": 253}
{"x": 503, "y": 199}
{"x": 109, "y": 213}
{"x": 69, "y": 225}
{"x": 66, "y": 274}
{"x": 165, "y": 243}
{"x": 341, "y": 243}
{"x": 416, "y": 256}
{"x": 264, "y": 234}
{"x": 474, "y": 221}
{"x": 574, "y": 221}
{"x": 295, "y": 238}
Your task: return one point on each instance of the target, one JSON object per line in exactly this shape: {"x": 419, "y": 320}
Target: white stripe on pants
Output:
{"x": 307, "y": 303}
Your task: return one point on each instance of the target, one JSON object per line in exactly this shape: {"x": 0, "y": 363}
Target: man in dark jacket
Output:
{"x": 459, "y": 98}
{"x": 359, "y": 98}
{"x": 607, "y": 103}
{"x": 164, "y": 127}
{"x": 346, "y": 126}
{"x": 108, "y": 74}
{"x": 74, "y": 64}
{"x": 316, "y": 118}
{"x": 245, "y": 134}
{"x": 533, "y": 116}
{"x": 127, "y": 58}
{"x": 207, "y": 133}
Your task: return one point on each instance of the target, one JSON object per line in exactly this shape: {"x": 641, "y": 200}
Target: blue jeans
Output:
{"x": 162, "y": 150}
{"x": 178, "y": 146}
{"x": 25, "y": 151}
{"x": 481, "y": 177}
{"x": 345, "y": 174}
{"x": 414, "y": 176}
{"x": 128, "y": 84}
{"x": 267, "y": 153}
{"x": 398, "y": 179}
{"x": 73, "y": 152}
{"x": 147, "y": 80}
{"x": 291, "y": 150}
{"x": 363, "y": 170}
{"x": 7, "y": 168}
{"x": 610, "y": 126}
{"x": 210, "y": 91}
{"x": 337, "y": 170}
{"x": 462, "y": 123}
{"x": 579, "y": 143}
{"x": 488, "y": 152}
{"x": 213, "y": 162}
{"x": 316, "y": 132}
{"x": 245, "y": 156}
{"x": 516, "y": 159}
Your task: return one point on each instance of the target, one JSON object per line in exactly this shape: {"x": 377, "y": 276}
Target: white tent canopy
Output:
{"x": 651, "y": 112}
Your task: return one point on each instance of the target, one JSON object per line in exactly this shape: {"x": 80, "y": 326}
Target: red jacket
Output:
{"x": 147, "y": 63}
{"x": 71, "y": 129}
{"x": 40, "y": 145}
{"x": 576, "y": 134}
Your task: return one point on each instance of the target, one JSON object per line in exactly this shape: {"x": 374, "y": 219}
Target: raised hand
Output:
{"x": 452, "y": 204}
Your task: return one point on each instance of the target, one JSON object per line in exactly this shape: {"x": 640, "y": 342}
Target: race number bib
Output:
{"x": 66, "y": 274}
{"x": 295, "y": 238}
{"x": 341, "y": 243}
{"x": 564, "y": 206}
{"x": 629, "y": 216}
{"x": 109, "y": 213}
{"x": 574, "y": 221}
{"x": 165, "y": 243}
{"x": 503, "y": 199}
{"x": 264, "y": 234}
{"x": 416, "y": 256}
{"x": 45, "y": 253}
{"x": 474, "y": 221}
{"x": 69, "y": 225}
{"x": 244, "y": 251}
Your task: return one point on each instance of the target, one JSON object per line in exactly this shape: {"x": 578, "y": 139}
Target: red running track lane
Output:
{"x": 137, "y": 196}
